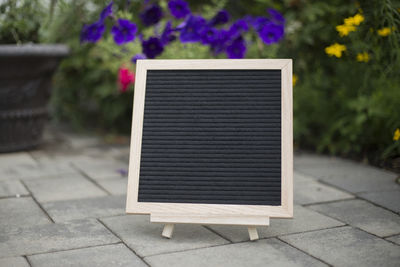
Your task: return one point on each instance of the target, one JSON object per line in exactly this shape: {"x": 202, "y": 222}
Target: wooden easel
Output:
{"x": 250, "y": 221}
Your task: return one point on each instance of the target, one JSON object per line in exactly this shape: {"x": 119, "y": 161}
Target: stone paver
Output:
{"x": 61, "y": 211}
{"x": 76, "y": 141}
{"x": 102, "y": 169}
{"x": 19, "y": 212}
{"x": 394, "y": 239}
{"x": 345, "y": 214}
{"x": 63, "y": 188}
{"x": 114, "y": 186}
{"x": 145, "y": 238}
{"x": 12, "y": 188}
{"x": 308, "y": 191}
{"x": 364, "y": 215}
{"x": 16, "y": 159}
{"x": 387, "y": 199}
{"x": 270, "y": 252}
{"x": 54, "y": 237}
{"x": 347, "y": 175}
{"x": 304, "y": 220}
{"x": 14, "y": 262}
{"x": 110, "y": 255}
{"x": 346, "y": 246}
{"x": 33, "y": 171}
{"x": 118, "y": 153}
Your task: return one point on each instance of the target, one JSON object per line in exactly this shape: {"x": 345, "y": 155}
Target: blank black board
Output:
{"x": 211, "y": 136}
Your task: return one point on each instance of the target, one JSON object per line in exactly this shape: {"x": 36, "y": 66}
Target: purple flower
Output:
{"x": 152, "y": 47}
{"x": 190, "y": 31}
{"x": 92, "y": 33}
{"x": 106, "y": 12}
{"x": 137, "y": 56}
{"x": 123, "y": 172}
{"x": 167, "y": 35}
{"x": 208, "y": 35}
{"x": 124, "y": 32}
{"x": 151, "y": 15}
{"x": 276, "y": 16}
{"x": 271, "y": 33}
{"x": 259, "y": 22}
{"x": 240, "y": 26}
{"x": 221, "y": 17}
{"x": 237, "y": 49}
{"x": 179, "y": 8}
{"x": 222, "y": 39}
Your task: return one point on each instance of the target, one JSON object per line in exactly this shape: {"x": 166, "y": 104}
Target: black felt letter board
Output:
{"x": 212, "y": 136}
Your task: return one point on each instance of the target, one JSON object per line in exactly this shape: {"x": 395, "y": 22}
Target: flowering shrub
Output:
{"x": 191, "y": 28}
{"x": 348, "y": 91}
{"x": 91, "y": 88}
{"x": 346, "y": 61}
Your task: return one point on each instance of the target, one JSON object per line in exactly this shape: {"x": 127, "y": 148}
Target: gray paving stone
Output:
{"x": 114, "y": 186}
{"x": 346, "y": 246}
{"x": 387, "y": 199}
{"x": 308, "y": 159}
{"x": 347, "y": 175}
{"x": 364, "y": 215}
{"x": 59, "y": 156}
{"x": 308, "y": 190}
{"x": 270, "y": 252}
{"x": 14, "y": 262}
{"x": 18, "y": 212}
{"x": 145, "y": 238}
{"x": 12, "y": 188}
{"x": 61, "y": 211}
{"x": 304, "y": 220}
{"x": 28, "y": 172}
{"x": 102, "y": 169}
{"x": 111, "y": 255}
{"x": 119, "y": 153}
{"x": 54, "y": 237}
{"x": 78, "y": 141}
{"x": 394, "y": 239}
{"x": 63, "y": 188}
{"x": 16, "y": 159}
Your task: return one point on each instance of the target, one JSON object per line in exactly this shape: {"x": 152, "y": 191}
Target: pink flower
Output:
{"x": 125, "y": 78}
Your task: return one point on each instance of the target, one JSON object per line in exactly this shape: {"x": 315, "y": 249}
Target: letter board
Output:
{"x": 212, "y": 137}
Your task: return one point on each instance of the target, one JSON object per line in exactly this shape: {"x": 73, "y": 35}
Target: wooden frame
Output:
{"x": 201, "y": 213}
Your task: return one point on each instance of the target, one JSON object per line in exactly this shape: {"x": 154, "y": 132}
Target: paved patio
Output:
{"x": 63, "y": 205}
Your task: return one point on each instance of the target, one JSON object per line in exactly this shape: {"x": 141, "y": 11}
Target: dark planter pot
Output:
{"x": 25, "y": 88}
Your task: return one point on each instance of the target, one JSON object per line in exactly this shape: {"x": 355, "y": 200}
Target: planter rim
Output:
{"x": 55, "y": 50}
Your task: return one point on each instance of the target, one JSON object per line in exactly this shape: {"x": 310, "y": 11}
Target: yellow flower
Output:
{"x": 363, "y": 57}
{"x": 384, "y": 31}
{"x": 396, "y": 135}
{"x": 344, "y": 29}
{"x": 354, "y": 21}
{"x": 358, "y": 18}
{"x": 335, "y": 50}
{"x": 295, "y": 78}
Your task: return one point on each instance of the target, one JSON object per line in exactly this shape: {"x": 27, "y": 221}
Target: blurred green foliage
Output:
{"x": 341, "y": 106}
{"x": 20, "y": 21}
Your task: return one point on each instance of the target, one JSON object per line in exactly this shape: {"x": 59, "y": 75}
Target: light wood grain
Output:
{"x": 287, "y": 139}
{"x": 209, "y": 64}
{"x": 168, "y": 230}
{"x": 194, "y": 218}
{"x": 285, "y": 210}
{"x": 136, "y": 135}
{"x": 253, "y": 234}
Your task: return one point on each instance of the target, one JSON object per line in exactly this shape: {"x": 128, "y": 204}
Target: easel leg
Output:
{"x": 253, "y": 233}
{"x": 168, "y": 230}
